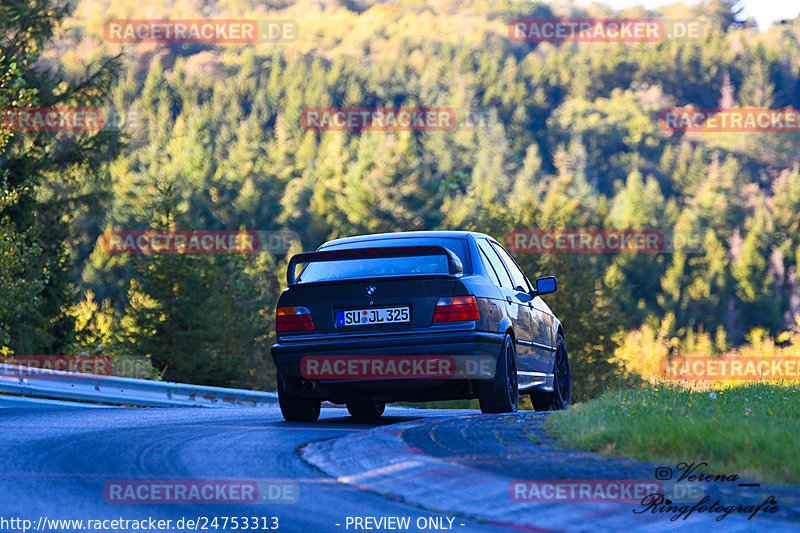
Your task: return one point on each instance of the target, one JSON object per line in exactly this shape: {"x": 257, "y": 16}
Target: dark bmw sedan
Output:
{"x": 416, "y": 316}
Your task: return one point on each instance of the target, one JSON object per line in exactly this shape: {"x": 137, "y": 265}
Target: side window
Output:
{"x": 516, "y": 274}
{"x": 494, "y": 260}
{"x": 489, "y": 268}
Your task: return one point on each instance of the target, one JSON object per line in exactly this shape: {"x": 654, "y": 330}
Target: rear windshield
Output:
{"x": 386, "y": 266}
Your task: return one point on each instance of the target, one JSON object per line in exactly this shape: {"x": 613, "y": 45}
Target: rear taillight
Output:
{"x": 293, "y": 319}
{"x": 456, "y": 309}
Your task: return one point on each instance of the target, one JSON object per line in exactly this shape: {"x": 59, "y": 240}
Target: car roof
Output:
{"x": 405, "y": 234}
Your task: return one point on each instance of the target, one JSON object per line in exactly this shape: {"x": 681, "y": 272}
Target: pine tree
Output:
{"x": 52, "y": 184}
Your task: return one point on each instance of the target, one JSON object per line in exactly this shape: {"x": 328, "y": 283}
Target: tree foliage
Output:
{"x": 561, "y": 136}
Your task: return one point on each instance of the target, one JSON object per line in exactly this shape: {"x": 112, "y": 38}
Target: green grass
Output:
{"x": 752, "y": 431}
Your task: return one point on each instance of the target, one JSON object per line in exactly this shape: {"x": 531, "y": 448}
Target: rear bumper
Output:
{"x": 288, "y": 357}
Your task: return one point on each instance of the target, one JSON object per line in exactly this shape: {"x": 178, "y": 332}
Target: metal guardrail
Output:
{"x": 24, "y": 401}
{"x": 55, "y": 384}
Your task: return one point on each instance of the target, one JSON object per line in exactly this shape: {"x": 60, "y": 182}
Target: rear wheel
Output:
{"x": 295, "y": 408}
{"x": 501, "y": 395}
{"x": 366, "y": 411}
{"x": 561, "y": 396}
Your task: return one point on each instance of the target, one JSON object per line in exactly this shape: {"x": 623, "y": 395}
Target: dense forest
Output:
{"x": 547, "y": 135}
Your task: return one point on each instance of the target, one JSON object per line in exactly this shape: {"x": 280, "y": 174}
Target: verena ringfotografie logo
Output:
{"x": 691, "y": 476}
{"x": 586, "y": 241}
{"x": 51, "y": 119}
{"x": 397, "y": 367}
{"x": 54, "y": 366}
{"x": 263, "y": 491}
{"x": 155, "y": 242}
{"x": 733, "y": 368}
{"x": 200, "y": 31}
{"x": 594, "y": 30}
{"x": 378, "y": 119}
{"x": 733, "y": 120}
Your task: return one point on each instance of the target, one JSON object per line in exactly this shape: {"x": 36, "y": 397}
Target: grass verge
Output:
{"x": 750, "y": 431}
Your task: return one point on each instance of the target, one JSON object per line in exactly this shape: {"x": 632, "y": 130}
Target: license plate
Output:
{"x": 360, "y": 317}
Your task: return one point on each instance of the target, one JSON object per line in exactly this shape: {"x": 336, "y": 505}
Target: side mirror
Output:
{"x": 546, "y": 285}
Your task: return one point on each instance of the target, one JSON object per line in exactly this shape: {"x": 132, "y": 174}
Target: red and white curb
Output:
{"x": 380, "y": 462}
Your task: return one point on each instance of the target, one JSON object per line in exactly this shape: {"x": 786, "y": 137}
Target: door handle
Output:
{"x": 508, "y": 299}
{"x": 530, "y": 304}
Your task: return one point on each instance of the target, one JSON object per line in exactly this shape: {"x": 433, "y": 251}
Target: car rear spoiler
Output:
{"x": 453, "y": 262}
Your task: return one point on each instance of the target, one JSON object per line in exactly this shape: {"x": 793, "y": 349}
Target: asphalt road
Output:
{"x": 57, "y": 463}
{"x": 506, "y": 470}
{"x": 66, "y": 463}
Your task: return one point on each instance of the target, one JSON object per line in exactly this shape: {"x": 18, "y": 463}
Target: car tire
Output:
{"x": 501, "y": 395}
{"x": 366, "y": 411}
{"x": 561, "y": 396}
{"x": 295, "y": 408}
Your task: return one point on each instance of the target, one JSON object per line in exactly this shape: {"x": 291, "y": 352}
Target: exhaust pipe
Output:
{"x": 305, "y": 385}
